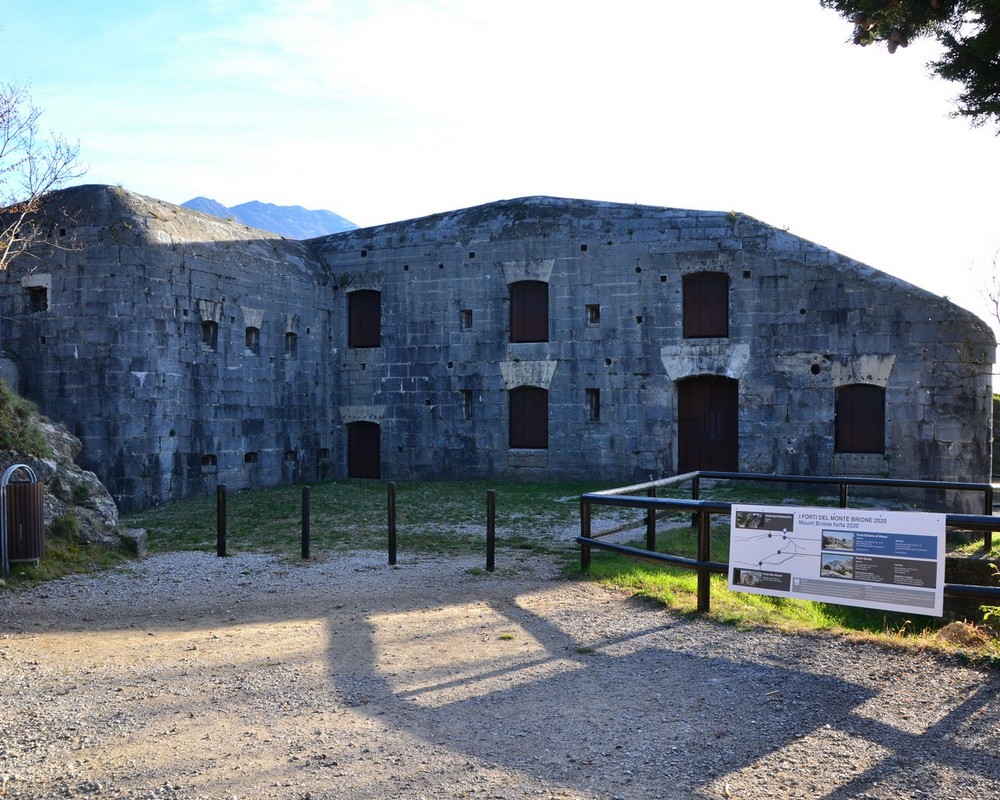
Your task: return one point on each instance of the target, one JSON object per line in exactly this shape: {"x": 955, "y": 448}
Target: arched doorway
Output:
{"x": 708, "y": 424}
{"x": 364, "y": 450}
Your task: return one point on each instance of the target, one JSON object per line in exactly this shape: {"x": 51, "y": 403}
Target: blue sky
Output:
{"x": 384, "y": 110}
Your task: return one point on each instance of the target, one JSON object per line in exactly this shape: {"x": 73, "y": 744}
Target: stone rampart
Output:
{"x": 185, "y": 350}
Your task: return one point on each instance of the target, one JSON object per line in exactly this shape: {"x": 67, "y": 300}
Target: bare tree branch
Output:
{"x": 30, "y": 168}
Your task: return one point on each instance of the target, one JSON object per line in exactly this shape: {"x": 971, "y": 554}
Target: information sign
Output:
{"x": 892, "y": 560}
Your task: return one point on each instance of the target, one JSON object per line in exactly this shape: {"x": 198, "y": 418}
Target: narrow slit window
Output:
{"x": 291, "y": 344}
{"x": 210, "y": 334}
{"x": 594, "y": 314}
{"x": 594, "y": 405}
{"x": 466, "y": 404}
{"x": 253, "y": 340}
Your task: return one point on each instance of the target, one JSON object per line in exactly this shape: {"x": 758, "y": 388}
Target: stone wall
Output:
{"x": 119, "y": 354}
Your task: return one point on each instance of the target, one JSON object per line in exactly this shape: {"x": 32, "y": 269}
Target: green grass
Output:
{"x": 18, "y": 431}
{"x": 431, "y": 516}
{"x": 678, "y": 589}
{"x": 64, "y": 557}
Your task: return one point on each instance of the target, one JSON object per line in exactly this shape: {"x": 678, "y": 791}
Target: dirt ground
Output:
{"x": 188, "y": 676}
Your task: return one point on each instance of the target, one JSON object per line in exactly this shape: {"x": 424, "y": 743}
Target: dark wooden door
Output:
{"x": 364, "y": 450}
{"x": 708, "y": 424}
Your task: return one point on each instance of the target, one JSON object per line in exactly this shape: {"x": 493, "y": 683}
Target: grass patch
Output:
{"x": 64, "y": 557}
{"x": 677, "y": 588}
{"x": 18, "y": 431}
{"x": 445, "y": 517}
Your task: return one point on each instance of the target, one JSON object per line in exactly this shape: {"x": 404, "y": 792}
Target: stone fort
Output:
{"x": 531, "y": 339}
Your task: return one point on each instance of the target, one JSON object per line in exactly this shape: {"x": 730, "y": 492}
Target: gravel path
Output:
{"x": 189, "y": 676}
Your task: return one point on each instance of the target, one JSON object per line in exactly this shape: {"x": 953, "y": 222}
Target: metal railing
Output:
{"x": 703, "y": 510}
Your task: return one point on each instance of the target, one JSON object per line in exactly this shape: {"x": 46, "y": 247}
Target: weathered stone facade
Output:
{"x": 184, "y": 350}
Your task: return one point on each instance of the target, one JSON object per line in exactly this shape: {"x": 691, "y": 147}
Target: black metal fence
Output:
{"x": 222, "y": 515}
{"x": 702, "y": 512}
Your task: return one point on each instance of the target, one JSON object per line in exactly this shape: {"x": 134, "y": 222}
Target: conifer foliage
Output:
{"x": 968, "y": 30}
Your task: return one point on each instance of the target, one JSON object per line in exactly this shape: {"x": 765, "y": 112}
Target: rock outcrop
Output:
{"x": 76, "y": 502}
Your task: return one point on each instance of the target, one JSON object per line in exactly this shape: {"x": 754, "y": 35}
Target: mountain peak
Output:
{"x": 292, "y": 222}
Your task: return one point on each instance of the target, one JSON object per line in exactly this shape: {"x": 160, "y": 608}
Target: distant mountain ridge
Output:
{"x": 293, "y": 222}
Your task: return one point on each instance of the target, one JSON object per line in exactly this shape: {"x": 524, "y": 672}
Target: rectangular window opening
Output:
{"x": 529, "y": 311}
{"x": 594, "y": 405}
{"x": 466, "y": 404}
{"x": 210, "y": 334}
{"x": 38, "y": 299}
{"x": 364, "y": 318}
{"x": 252, "y": 457}
{"x": 706, "y": 305}
{"x": 291, "y": 345}
{"x": 253, "y": 340}
{"x": 465, "y": 317}
{"x": 593, "y": 314}
{"x": 529, "y": 418}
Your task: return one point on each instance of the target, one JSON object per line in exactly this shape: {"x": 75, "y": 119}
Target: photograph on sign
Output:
{"x": 892, "y": 560}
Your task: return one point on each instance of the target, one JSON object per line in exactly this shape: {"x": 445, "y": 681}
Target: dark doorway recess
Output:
{"x": 364, "y": 450}
{"x": 708, "y": 424}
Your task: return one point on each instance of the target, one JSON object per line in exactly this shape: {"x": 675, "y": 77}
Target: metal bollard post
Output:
{"x": 305, "y": 522}
{"x": 391, "y": 508}
{"x": 704, "y": 554}
{"x": 220, "y": 520}
{"x": 651, "y": 522}
{"x": 491, "y": 531}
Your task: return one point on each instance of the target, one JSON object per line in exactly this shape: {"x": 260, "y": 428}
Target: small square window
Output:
{"x": 209, "y": 460}
{"x": 251, "y": 458}
{"x": 291, "y": 455}
{"x": 38, "y": 299}
{"x": 593, "y": 314}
